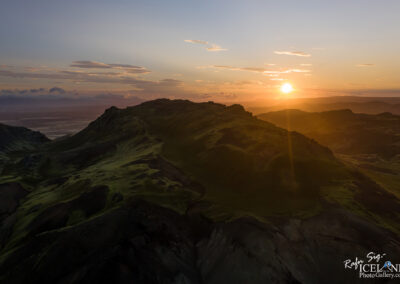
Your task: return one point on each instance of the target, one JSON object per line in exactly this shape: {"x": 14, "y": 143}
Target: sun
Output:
{"x": 286, "y": 88}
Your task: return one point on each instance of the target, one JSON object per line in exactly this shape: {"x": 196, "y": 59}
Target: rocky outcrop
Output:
{"x": 144, "y": 243}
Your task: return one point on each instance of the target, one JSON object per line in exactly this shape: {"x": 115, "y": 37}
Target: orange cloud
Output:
{"x": 196, "y": 41}
{"x": 293, "y": 53}
{"x": 365, "y": 65}
{"x": 211, "y": 46}
{"x": 215, "y": 47}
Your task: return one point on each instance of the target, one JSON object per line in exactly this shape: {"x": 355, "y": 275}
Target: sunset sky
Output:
{"x": 211, "y": 49}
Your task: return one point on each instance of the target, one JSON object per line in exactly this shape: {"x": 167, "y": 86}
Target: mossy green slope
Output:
{"x": 179, "y": 154}
{"x": 193, "y": 159}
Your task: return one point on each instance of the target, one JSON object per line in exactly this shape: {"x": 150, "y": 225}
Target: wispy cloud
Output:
{"x": 78, "y": 76}
{"x": 215, "y": 47}
{"x": 306, "y": 64}
{"x": 196, "y": 41}
{"x": 287, "y": 71}
{"x": 210, "y": 46}
{"x": 44, "y": 98}
{"x": 273, "y": 75}
{"x": 100, "y": 65}
{"x": 365, "y": 65}
{"x": 265, "y": 71}
{"x": 251, "y": 69}
{"x": 293, "y": 53}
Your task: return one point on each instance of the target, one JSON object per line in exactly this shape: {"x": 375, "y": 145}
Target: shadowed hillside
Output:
{"x": 181, "y": 192}
{"x": 370, "y": 143}
{"x": 19, "y": 138}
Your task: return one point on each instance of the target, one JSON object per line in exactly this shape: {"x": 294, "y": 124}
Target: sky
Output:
{"x": 223, "y": 50}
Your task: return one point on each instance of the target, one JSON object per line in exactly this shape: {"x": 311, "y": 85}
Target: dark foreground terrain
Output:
{"x": 179, "y": 192}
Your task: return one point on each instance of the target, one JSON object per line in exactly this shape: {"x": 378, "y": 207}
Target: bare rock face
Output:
{"x": 144, "y": 243}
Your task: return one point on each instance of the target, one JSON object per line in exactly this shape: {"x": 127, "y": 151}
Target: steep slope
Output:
{"x": 225, "y": 149}
{"x": 370, "y": 143}
{"x": 181, "y": 192}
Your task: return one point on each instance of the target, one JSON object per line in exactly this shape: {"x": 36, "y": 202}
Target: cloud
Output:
{"x": 365, "y": 65}
{"x": 287, "y": 71}
{"x": 306, "y": 64}
{"x": 267, "y": 72}
{"x": 196, "y": 41}
{"x": 11, "y": 100}
{"x": 103, "y": 78}
{"x": 89, "y": 64}
{"x": 293, "y": 53}
{"x": 211, "y": 46}
{"x": 215, "y": 47}
{"x": 57, "y": 90}
{"x": 251, "y": 69}
{"x": 100, "y": 65}
{"x": 24, "y": 92}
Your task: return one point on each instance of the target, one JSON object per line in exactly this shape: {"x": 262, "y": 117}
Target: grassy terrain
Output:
{"x": 209, "y": 158}
{"x": 385, "y": 172}
{"x": 343, "y": 131}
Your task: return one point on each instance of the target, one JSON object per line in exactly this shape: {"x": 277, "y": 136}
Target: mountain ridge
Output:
{"x": 172, "y": 184}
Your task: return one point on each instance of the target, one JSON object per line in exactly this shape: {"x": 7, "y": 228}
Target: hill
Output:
{"x": 16, "y": 140}
{"x": 344, "y": 131}
{"x": 19, "y": 139}
{"x": 370, "y": 143}
{"x": 181, "y": 192}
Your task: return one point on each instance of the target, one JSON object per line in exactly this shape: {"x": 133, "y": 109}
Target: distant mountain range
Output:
{"x": 171, "y": 191}
{"x": 369, "y": 105}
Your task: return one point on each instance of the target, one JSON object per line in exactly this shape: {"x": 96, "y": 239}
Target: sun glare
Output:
{"x": 286, "y": 88}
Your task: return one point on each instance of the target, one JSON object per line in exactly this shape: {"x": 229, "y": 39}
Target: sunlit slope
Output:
{"x": 344, "y": 131}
